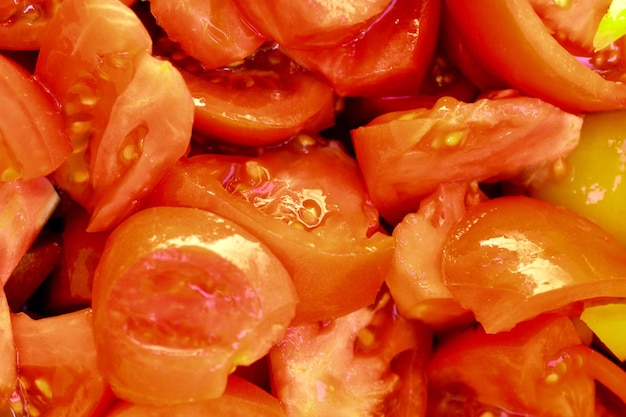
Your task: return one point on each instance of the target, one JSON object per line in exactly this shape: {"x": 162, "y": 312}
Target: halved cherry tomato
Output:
{"x": 307, "y": 202}
{"x": 129, "y": 115}
{"x": 25, "y": 206}
{"x": 214, "y": 32}
{"x": 511, "y": 258}
{"x": 265, "y": 99}
{"x": 342, "y": 367}
{"x": 181, "y": 297}
{"x": 34, "y": 141}
{"x": 241, "y": 399}
{"x": 365, "y": 66}
{"x": 312, "y": 23}
{"x": 528, "y": 371}
{"x": 415, "y": 278}
{"x": 405, "y": 155}
{"x": 510, "y": 40}
{"x": 57, "y": 366}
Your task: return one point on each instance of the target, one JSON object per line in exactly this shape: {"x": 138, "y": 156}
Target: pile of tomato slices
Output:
{"x": 312, "y": 208}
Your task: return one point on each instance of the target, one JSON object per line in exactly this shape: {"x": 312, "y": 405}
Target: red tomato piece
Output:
{"x": 405, "y": 155}
{"x": 144, "y": 138}
{"x": 34, "y": 141}
{"x": 181, "y": 297}
{"x": 241, "y": 399}
{"x": 415, "y": 278}
{"x": 69, "y": 287}
{"x": 512, "y": 258}
{"x": 307, "y": 202}
{"x": 25, "y": 206}
{"x": 58, "y": 372}
{"x": 522, "y": 372}
{"x": 23, "y": 23}
{"x": 8, "y": 354}
{"x": 214, "y": 32}
{"x": 112, "y": 93}
{"x": 501, "y": 34}
{"x": 342, "y": 367}
{"x": 312, "y": 23}
{"x": 365, "y": 66}
{"x": 265, "y": 99}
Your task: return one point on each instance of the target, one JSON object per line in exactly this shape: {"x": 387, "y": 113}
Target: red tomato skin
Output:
{"x": 25, "y": 206}
{"x": 324, "y": 262}
{"x": 365, "y": 66}
{"x": 514, "y": 373}
{"x": 405, "y": 155}
{"x": 512, "y": 258}
{"x": 503, "y": 34}
{"x": 180, "y": 297}
{"x": 265, "y": 100}
{"x": 241, "y": 399}
{"x": 214, "y": 32}
{"x": 312, "y": 24}
{"x": 34, "y": 139}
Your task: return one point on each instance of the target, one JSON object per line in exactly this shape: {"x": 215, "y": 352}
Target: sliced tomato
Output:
{"x": 23, "y": 23}
{"x": 25, "y": 206}
{"x": 181, "y": 297}
{"x": 265, "y": 99}
{"x": 241, "y": 399}
{"x": 8, "y": 354}
{"x": 502, "y": 34}
{"x": 573, "y": 25}
{"x": 69, "y": 287}
{"x": 365, "y": 66}
{"x": 95, "y": 60}
{"x": 58, "y": 373}
{"x": 317, "y": 23}
{"x": 34, "y": 140}
{"x": 523, "y": 372}
{"x": 214, "y": 32}
{"x": 405, "y": 155}
{"x": 342, "y": 367}
{"x": 511, "y": 258}
{"x": 415, "y": 278}
{"x": 306, "y": 201}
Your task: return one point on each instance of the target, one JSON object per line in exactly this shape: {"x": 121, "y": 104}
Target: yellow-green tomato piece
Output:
{"x": 608, "y": 322}
{"x": 592, "y": 181}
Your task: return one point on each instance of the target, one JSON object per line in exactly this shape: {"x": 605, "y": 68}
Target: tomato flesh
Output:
{"x": 181, "y": 297}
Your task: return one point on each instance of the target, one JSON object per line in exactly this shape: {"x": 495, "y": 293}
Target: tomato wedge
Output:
{"x": 25, "y": 206}
{"x": 307, "y": 202}
{"x": 34, "y": 140}
{"x": 405, "y": 155}
{"x": 511, "y": 258}
{"x": 57, "y": 366}
{"x": 415, "y": 278}
{"x": 263, "y": 100}
{"x": 214, "y": 32}
{"x": 365, "y": 66}
{"x": 312, "y": 23}
{"x": 241, "y": 399}
{"x": 343, "y": 367}
{"x": 501, "y": 34}
{"x": 524, "y": 372}
{"x": 129, "y": 115}
{"x": 181, "y": 297}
